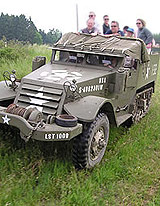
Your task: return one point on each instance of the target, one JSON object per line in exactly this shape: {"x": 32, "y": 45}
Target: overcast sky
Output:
{"x": 61, "y": 14}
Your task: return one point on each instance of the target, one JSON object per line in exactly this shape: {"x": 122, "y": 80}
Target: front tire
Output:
{"x": 90, "y": 146}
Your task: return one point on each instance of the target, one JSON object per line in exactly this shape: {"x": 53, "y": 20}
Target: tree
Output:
{"x": 38, "y": 38}
{"x": 17, "y": 27}
{"x": 52, "y": 36}
{"x": 23, "y": 29}
{"x": 43, "y": 35}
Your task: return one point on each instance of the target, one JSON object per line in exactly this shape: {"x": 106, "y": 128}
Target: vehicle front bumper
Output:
{"x": 48, "y": 132}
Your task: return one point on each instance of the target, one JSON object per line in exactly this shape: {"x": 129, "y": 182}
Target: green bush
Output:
{"x": 8, "y": 53}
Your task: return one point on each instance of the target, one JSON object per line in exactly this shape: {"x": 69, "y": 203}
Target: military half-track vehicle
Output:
{"x": 90, "y": 83}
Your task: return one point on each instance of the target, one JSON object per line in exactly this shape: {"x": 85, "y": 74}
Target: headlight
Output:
{"x": 73, "y": 87}
{"x": 12, "y": 78}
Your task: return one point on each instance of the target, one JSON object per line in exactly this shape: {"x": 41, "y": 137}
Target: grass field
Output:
{"x": 129, "y": 173}
{"x": 19, "y": 57}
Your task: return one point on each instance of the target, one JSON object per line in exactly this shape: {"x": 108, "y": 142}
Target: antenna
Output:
{"x": 77, "y": 17}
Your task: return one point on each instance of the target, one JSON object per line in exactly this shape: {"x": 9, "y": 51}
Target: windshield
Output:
{"x": 88, "y": 59}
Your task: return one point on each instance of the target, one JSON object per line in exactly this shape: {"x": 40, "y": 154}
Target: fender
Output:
{"x": 87, "y": 108}
{"x": 6, "y": 93}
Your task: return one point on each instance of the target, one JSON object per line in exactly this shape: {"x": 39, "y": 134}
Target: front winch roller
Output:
{"x": 33, "y": 115}
{"x": 14, "y": 109}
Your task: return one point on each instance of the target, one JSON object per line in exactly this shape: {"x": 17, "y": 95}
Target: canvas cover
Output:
{"x": 103, "y": 44}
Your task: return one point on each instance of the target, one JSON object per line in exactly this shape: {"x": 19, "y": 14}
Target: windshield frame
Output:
{"x": 120, "y": 58}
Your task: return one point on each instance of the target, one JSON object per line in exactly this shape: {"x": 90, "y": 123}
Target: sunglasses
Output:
{"x": 138, "y": 23}
{"x": 106, "y": 19}
{"x": 114, "y": 26}
{"x": 91, "y": 15}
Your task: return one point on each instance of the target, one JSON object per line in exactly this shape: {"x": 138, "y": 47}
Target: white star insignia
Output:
{"x": 6, "y": 120}
{"x": 37, "y": 101}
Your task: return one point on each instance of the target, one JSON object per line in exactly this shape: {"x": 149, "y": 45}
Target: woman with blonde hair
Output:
{"x": 144, "y": 34}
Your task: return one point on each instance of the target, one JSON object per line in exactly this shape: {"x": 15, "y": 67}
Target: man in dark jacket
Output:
{"x": 115, "y": 31}
{"x": 106, "y": 26}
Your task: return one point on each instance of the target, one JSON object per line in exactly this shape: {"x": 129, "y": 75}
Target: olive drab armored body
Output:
{"x": 91, "y": 83}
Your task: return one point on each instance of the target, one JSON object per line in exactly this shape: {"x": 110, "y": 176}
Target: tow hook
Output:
{"x": 26, "y": 138}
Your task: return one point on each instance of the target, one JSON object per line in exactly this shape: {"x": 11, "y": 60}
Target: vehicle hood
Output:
{"x": 59, "y": 74}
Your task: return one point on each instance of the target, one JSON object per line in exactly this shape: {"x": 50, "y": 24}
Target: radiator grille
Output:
{"x": 46, "y": 99}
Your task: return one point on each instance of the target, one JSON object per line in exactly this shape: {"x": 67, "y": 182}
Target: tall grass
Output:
{"x": 19, "y": 57}
{"x": 129, "y": 173}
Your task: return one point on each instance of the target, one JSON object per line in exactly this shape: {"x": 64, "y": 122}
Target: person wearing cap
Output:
{"x": 130, "y": 32}
{"x": 106, "y": 26}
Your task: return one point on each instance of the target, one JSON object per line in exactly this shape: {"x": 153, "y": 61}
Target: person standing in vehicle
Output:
{"x": 115, "y": 31}
{"x": 125, "y": 30}
{"x": 130, "y": 32}
{"x": 144, "y": 34}
{"x": 92, "y": 15}
{"x": 90, "y": 29}
{"x": 106, "y": 26}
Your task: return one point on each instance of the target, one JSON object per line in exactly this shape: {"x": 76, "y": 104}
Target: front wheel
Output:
{"x": 90, "y": 146}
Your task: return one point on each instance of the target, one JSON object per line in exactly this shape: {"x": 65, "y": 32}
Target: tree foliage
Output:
{"x": 51, "y": 37}
{"x": 22, "y": 29}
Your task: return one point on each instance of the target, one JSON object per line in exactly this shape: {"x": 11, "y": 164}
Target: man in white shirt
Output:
{"x": 92, "y": 15}
{"x": 90, "y": 29}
